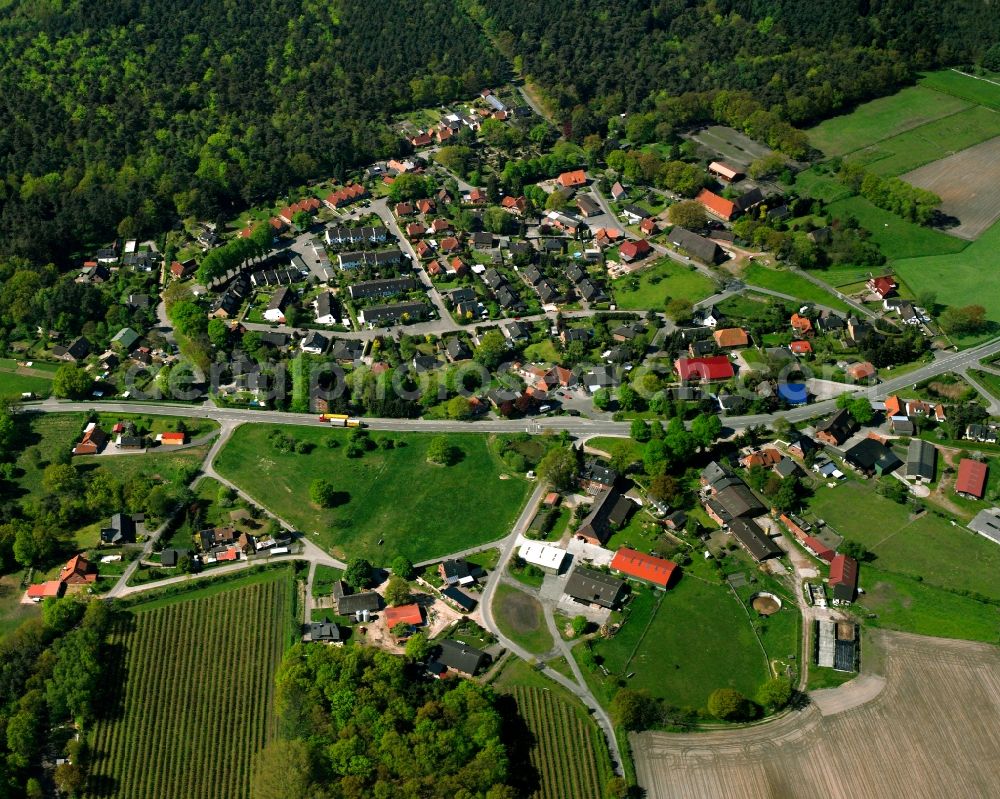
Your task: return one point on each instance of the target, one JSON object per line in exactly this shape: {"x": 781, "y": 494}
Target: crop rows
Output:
{"x": 565, "y": 750}
{"x": 196, "y": 696}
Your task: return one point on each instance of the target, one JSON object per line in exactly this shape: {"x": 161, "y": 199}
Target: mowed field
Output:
{"x": 666, "y": 280}
{"x": 392, "y": 501}
{"x": 195, "y": 704}
{"x": 930, "y": 733}
{"x": 973, "y": 200}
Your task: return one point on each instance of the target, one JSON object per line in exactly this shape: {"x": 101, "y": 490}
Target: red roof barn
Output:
{"x": 641, "y": 566}
{"x": 971, "y": 480}
{"x": 715, "y": 367}
{"x": 843, "y": 577}
{"x": 717, "y": 206}
{"x": 404, "y": 614}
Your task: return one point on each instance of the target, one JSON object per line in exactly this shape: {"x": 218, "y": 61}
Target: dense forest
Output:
{"x": 121, "y": 115}
{"x": 802, "y": 60}
{"x": 358, "y": 723}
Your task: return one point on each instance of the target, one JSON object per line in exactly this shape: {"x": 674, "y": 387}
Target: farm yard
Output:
{"x": 566, "y": 765}
{"x": 187, "y": 725}
{"x": 900, "y": 744}
{"x": 447, "y": 508}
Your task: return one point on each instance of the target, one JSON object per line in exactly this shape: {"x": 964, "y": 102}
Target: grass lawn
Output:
{"x": 963, "y": 87}
{"x": 902, "y": 603}
{"x": 820, "y": 677}
{"x": 519, "y": 617}
{"x": 542, "y": 351}
{"x": 745, "y": 306}
{"x": 698, "y": 639}
{"x": 610, "y": 443}
{"x": 930, "y": 142}
{"x": 883, "y": 118}
{"x": 392, "y": 496}
{"x": 13, "y": 385}
{"x": 650, "y": 288}
{"x": 324, "y": 579}
{"x": 12, "y": 612}
{"x": 950, "y": 557}
{"x": 896, "y": 237}
{"x": 821, "y": 186}
{"x": 957, "y": 278}
{"x": 789, "y": 283}
{"x": 989, "y": 380}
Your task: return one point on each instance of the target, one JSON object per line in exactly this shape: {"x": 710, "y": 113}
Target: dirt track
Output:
{"x": 931, "y": 732}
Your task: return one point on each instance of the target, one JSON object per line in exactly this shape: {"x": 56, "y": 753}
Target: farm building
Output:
{"x": 460, "y": 657}
{"x": 326, "y": 631}
{"x": 547, "y": 558}
{"x": 647, "y": 568}
{"x": 610, "y": 511}
{"x": 971, "y": 479}
{"x": 592, "y": 587}
{"x": 696, "y": 246}
{"x": 843, "y": 579}
{"x": 716, "y": 206}
{"x": 723, "y": 171}
{"x": 459, "y": 598}
{"x": 51, "y": 588}
{"x": 872, "y": 457}
{"x": 410, "y": 615}
{"x": 456, "y": 572}
{"x": 921, "y": 460}
{"x": 987, "y": 524}
{"x": 728, "y": 337}
{"x": 753, "y": 539}
{"x": 837, "y": 645}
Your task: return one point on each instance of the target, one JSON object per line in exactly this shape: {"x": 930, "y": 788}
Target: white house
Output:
{"x": 545, "y": 557}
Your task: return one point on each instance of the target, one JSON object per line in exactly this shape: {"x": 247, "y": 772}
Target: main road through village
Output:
{"x": 581, "y": 428}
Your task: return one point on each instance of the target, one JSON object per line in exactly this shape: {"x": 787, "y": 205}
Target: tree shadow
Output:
{"x": 519, "y": 740}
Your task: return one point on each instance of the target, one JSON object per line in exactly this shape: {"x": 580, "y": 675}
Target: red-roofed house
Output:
{"x": 477, "y": 197}
{"x": 78, "y": 571}
{"x": 883, "y": 285}
{"x": 514, "y": 205}
{"x": 345, "y": 196}
{"x": 426, "y": 206}
{"x": 173, "y": 439}
{"x": 310, "y": 205}
{"x": 450, "y": 244}
{"x": 971, "y": 479}
{"x": 403, "y": 209}
{"x": 434, "y": 268}
{"x": 570, "y": 180}
{"x": 893, "y": 407}
{"x": 457, "y": 266}
{"x": 657, "y": 571}
{"x": 715, "y": 367}
{"x": 423, "y": 249}
{"x": 843, "y": 579}
{"x": 421, "y": 140}
{"x": 40, "y": 591}
{"x": 179, "y": 270}
{"x": 801, "y": 347}
{"x": 802, "y": 325}
{"x": 730, "y": 337}
{"x": 404, "y": 614}
{"x": 633, "y": 250}
{"x": 415, "y": 230}
{"x": 94, "y": 440}
{"x": 860, "y": 371}
{"x": 648, "y": 226}
{"x": 440, "y": 225}
{"x": 717, "y": 206}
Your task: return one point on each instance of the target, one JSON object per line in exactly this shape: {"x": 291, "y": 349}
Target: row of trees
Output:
{"x": 890, "y": 194}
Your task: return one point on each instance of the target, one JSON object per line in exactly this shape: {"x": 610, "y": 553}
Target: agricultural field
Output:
{"x": 957, "y": 278}
{"x": 914, "y": 740}
{"x": 816, "y": 182}
{"x": 187, "y": 725}
{"x": 883, "y": 118}
{"x": 566, "y": 766}
{"x": 789, "y": 283}
{"x": 447, "y": 508}
{"x": 952, "y": 558}
{"x": 964, "y": 87}
{"x": 17, "y": 380}
{"x": 975, "y": 199}
{"x": 652, "y": 288}
{"x": 519, "y": 617}
{"x": 681, "y": 645}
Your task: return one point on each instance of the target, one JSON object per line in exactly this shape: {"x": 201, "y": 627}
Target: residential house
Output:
{"x": 696, "y": 246}
{"x": 803, "y": 446}
{"x": 765, "y": 458}
{"x": 860, "y": 371}
{"x": 393, "y": 314}
{"x": 457, "y": 571}
{"x": 708, "y": 317}
{"x": 659, "y": 572}
{"x": 971, "y": 479}
{"x": 326, "y": 631}
{"x": 570, "y": 334}
{"x": 78, "y": 349}
{"x": 921, "y": 461}
{"x": 800, "y": 347}
{"x": 610, "y": 511}
{"x": 592, "y": 587}
{"x": 596, "y": 477}
{"x": 388, "y": 287}
{"x": 730, "y": 337}
{"x": 802, "y": 325}
{"x": 181, "y": 270}
{"x": 458, "y": 657}
{"x": 882, "y": 285}
{"x": 78, "y": 571}
{"x": 836, "y": 429}
{"x": 572, "y": 180}
{"x": 981, "y": 432}
{"x": 125, "y": 340}
{"x": 588, "y": 206}
{"x": 280, "y": 300}
{"x": 314, "y": 343}
{"x": 716, "y": 367}
{"x": 326, "y": 309}
{"x": 514, "y": 205}
{"x": 345, "y": 196}
{"x": 347, "y": 351}
{"x": 482, "y": 240}
{"x": 618, "y": 192}
{"x": 120, "y": 530}
{"x": 170, "y": 557}
{"x": 857, "y": 329}
{"x": 457, "y": 350}
{"x": 634, "y": 214}
{"x": 872, "y": 457}
{"x": 632, "y": 251}
{"x": 93, "y": 442}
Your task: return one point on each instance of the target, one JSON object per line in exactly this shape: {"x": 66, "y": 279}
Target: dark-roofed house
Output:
{"x": 326, "y": 631}
{"x": 592, "y": 587}
{"x": 460, "y": 657}
{"x": 872, "y": 457}
{"x": 836, "y": 429}
{"x": 694, "y": 245}
{"x": 921, "y": 460}
{"x": 121, "y": 530}
{"x": 843, "y": 579}
{"x": 346, "y": 350}
{"x": 596, "y": 477}
{"x": 971, "y": 479}
{"x": 78, "y": 349}
{"x": 640, "y": 566}
{"x": 803, "y": 446}
{"x": 610, "y": 511}
{"x": 753, "y": 539}
{"x": 392, "y": 314}
{"x": 170, "y": 556}
{"x": 381, "y": 288}
{"x": 458, "y": 597}
{"x": 457, "y": 350}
